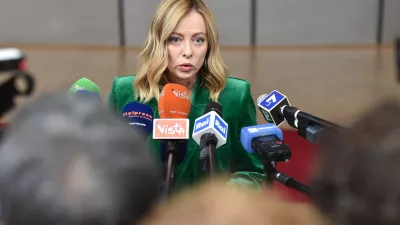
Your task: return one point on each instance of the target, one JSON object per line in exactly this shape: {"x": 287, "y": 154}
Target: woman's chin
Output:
{"x": 185, "y": 75}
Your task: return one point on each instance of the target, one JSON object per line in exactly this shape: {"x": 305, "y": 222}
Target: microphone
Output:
{"x": 266, "y": 141}
{"x": 172, "y": 128}
{"x": 276, "y": 109}
{"x": 139, "y": 116}
{"x": 168, "y": 108}
{"x": 85, "y": 88}
{"x": 270, "y": 105}
{"x": 210, "y": 132}
{"x": 181, "y": 151}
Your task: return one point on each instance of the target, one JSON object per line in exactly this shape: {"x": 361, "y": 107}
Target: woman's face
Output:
{"x": 187, "y": 47}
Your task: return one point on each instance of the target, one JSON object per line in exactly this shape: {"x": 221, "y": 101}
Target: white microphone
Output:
{"x": 211, "y": 123}
{"x": 210, "y": 132}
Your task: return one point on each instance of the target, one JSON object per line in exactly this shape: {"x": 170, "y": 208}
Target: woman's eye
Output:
{"x": 174, "y": 39}
{"x": 199, "y": 40}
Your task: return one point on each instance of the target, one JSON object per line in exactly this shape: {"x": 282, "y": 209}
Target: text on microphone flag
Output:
{"x": 273, "y": 99}
{"x": 171, "y": 129}
{"x": 136, "y": 114}
{"x": 221, "y": 126}
{"x": 180, "y": 94}
{"x": 202, "y": 123}
{"x": 210, "y": 122}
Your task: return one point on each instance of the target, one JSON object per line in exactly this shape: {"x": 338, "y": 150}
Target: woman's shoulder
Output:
{"x": 235, "y": 88}
{"x": 121, "y": 91}
{"x": 236, "y": 81}
{"x": 236, "y": 97}
{"x": 236, "y": 85}
{"x": 123, "y": 81}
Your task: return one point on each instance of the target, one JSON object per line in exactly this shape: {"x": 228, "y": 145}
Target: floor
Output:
{"x": 334, "y": 83}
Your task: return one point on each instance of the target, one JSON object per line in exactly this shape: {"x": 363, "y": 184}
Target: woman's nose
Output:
{"x": 188, "y": 52}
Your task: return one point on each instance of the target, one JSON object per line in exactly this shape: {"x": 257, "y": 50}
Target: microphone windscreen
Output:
{"x": 139, "y": 116}
{"x": 248, "y": 133}
{"x": 182, "y": 149}
{"x": 84, "y": 84}
{"x": 174, "y": 102}
{"x": 88, "y": 94}
{"x": 214, "y": 106}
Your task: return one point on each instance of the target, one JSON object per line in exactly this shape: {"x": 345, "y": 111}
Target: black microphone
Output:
{"x": 270, "y": 105}
{"x": 276, "y": 109}
{"x": 181, "y": 151}
{"x": 210, "y": 132}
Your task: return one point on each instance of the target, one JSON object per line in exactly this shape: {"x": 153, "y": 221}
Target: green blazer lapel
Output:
{"x": 200, "y": 94}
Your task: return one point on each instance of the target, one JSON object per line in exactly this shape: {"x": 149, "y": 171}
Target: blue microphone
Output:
{"x": 266, "y": 141}
{"x": 140, "y": 116}
{"x": 88, "y": 94}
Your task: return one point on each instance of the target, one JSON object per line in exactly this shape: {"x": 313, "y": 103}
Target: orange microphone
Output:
{"x": 172, "y": 129}
{"x": 174, "y": 102}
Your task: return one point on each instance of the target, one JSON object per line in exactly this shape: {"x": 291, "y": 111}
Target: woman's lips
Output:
{"x": 185, "y": 67}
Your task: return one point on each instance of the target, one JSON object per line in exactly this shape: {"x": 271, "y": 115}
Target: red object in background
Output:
{"x": 300, "y": 166}
{"x": 23, "y": 65}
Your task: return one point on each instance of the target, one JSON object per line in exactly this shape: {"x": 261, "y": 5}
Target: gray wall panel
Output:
{"x": 233, "y": 20}
{"x": 138, "y": 16}
{"x": 59, "y": 22}
{"x": 280, "y": 22}
{"x": 391, "y": 21}
{"x": 232, "y": 17}
{"x": 296, "y": 22}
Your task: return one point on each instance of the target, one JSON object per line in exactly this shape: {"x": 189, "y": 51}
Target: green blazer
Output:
{"x": 238, "y": 110}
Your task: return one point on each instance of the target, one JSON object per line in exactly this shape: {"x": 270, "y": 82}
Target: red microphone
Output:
{"x": 172, "y": 128}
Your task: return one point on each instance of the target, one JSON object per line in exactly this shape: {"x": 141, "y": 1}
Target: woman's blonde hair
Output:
{"x": 153, "y": 60}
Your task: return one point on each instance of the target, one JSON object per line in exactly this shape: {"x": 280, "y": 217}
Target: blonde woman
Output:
{"x": 182, "y": 48}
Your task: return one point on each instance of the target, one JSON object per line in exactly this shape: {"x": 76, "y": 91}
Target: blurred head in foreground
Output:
{"x": 216, "y": 204}
{"x": 67, "y": 160}
{"x": 357, "y": 181}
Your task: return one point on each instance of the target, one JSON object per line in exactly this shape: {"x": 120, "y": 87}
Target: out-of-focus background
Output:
{"x": 332, "y": 58}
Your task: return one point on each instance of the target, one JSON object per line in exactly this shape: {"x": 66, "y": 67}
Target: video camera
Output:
{"x": 18, "y": 81}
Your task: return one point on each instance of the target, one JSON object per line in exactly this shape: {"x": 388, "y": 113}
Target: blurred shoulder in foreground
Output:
{"x": 356, "y": 181}
{"x": 217, "y": 204}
